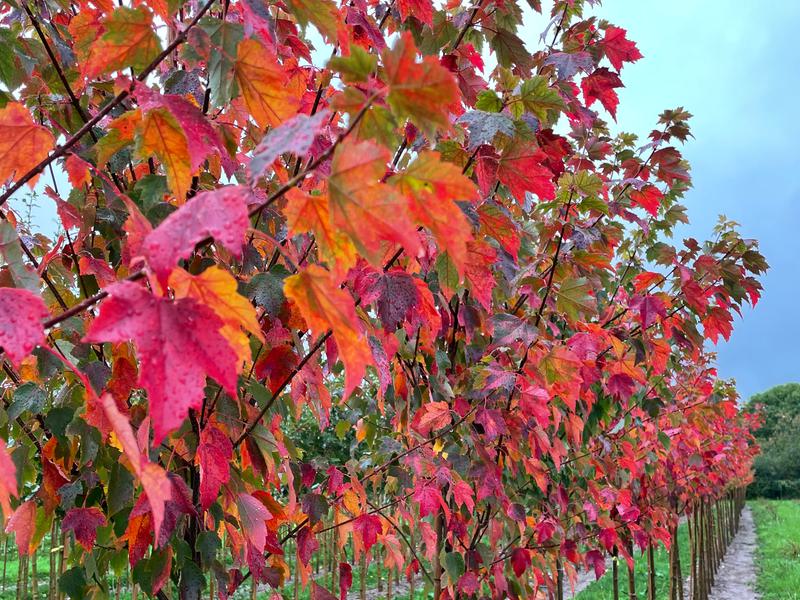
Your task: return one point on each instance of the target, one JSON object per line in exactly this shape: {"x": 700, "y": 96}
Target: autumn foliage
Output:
{"x": 401, "y": 213}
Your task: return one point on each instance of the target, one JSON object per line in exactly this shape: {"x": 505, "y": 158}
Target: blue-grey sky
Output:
{"x": 736, "y": 67}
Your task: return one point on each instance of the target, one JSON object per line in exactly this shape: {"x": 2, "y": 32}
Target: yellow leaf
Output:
{"x": 324, "y": 305}
{"x": 263, "y": 84}
{"x": 351, "y": 502}
{"x": 160, "y": 134}
{"x": 216, "y": 288}
{"x": 23, "y": 143}
{"x": 305, "y": 212}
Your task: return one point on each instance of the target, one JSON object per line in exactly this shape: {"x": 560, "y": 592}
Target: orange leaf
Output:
{"x": 161, "y": 134}
{"x": 156, "y": 484}
{"x": 431, "y": 187}
{"x": 23, "y": 143}
{"x": 129, "y": 41}
{"x": 77, "y": 171}
{"x": 263, "y": 84}
{"x": 368, "y": 211}
{"x": 325, "y": 306}
{"x": 306, "y": 212}
{"x": 422, "y": 91}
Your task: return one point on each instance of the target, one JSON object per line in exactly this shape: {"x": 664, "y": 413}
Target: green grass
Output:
{"x": 778, "y": 555}
{"x": 603, "y": 590}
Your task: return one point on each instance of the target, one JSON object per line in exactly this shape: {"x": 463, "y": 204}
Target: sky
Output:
{"x": 735, "y": 67}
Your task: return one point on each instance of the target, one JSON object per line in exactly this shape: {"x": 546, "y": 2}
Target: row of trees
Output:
{"x": 429, "y": 246}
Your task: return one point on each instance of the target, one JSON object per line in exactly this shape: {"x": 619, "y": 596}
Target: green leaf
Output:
{"x": 261, "y": 394}
{"x": 489, "y": 101}
{"x": 539, "y": 98}
{"x": 588, "y": 184}
{"x": 266, "y": 290}
{"x": 11, "y": 253}
{"x": 120, "y": 489}
{"x": 574, "y": 298}
{"x": 356, "y": 67}
{"x": 192, "y": 582}
{"x": 342, "y": 428}
{"x": 225, "y": 37}
{"x": 27, "y": 397}
{"x": 453, "y": 566}
{"x": 73, "y": 583}
{"x": 58, "y": 419}
{"x": 208, "y": 543}
{"x": 446, "y": 271}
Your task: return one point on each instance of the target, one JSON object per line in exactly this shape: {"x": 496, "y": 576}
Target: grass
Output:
{"x": 778, "y": 555}
{"x": 603, "y": 590}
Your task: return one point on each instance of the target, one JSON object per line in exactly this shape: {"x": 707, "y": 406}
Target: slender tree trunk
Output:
{"x": 437, "y": 567}
{"x": 559, "y": 580}
{"x": 615, "y": 574}
{"x": 362, "y": 591}
{"x": 62, "y": 559}
{"x": 378, "y": 569}
{"x": 651, "y": 573}
{"x": 631, "y": 575}
{"x": 410, "y": 572}
{"x": 5, "y": 561}
{"x": 34, "y": 577}
{"x": 51, "y": 588}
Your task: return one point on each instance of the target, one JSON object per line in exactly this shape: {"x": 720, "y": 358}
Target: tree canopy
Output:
{"x": 777, "y": 468}
{"x": 426, "y": 238}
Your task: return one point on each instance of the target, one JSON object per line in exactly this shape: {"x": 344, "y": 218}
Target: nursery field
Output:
{"x": 363, "y": 299}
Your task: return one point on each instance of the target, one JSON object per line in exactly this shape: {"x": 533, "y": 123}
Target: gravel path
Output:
{"x": 736, "y": 577}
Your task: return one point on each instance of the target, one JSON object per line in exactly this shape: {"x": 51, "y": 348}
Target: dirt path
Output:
{"x": 736, "y": 577}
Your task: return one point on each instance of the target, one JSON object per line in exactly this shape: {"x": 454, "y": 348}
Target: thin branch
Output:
{"x": 61, "y": 150}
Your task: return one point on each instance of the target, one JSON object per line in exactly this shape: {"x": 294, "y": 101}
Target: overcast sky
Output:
{"x": 736, "y": 67}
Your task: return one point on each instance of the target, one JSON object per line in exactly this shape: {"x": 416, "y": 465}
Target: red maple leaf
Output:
{"x": 21, "y": 316}
{"x": 600, "y": 85}
{"x": 178, "y": 342}
{"x": 618, "y": 48}
{"x": 83, "y": 522}
{"x": 214, "y": 455}
{"x": 220, "y": 214}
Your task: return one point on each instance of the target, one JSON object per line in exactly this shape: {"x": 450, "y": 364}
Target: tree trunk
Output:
{"x": 5, "y": 562}
{"x": 378, "y": 569}
{"x": 615, "y": 574}
{"x": 631, "y": 576}
{"x": 34, "y": 577}
{"x": 559, "y": 580}
{"x": 362, "y": 591}
{"x": 438, "y": 525}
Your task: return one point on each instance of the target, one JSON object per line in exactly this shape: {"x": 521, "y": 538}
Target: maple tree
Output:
{"x": 432, "y": 234}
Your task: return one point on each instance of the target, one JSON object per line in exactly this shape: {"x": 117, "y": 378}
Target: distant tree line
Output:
{"x": 777, "y": 468}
